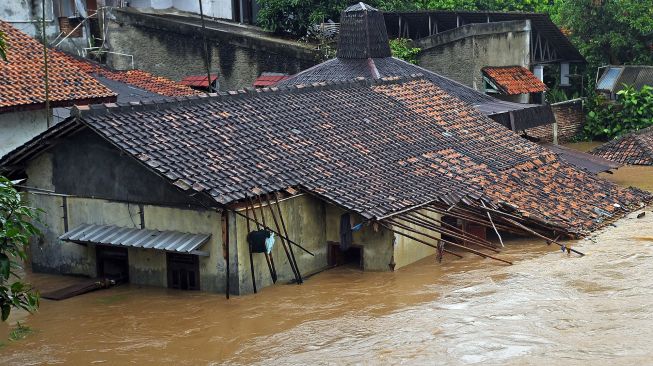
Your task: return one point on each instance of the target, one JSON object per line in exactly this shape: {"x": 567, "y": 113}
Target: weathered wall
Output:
{"x": 211, "y": 8}
{"x": 407, "y": 251}
{"x": 175, "y": 49}
{"x": 146, "y": 266}
{"x": 570, "y": 117}
{"x": 26, "y": 15}
{"x": 461, "y": 53}
{"x": 16, "y": 128}
{"x": 88, "y": 166}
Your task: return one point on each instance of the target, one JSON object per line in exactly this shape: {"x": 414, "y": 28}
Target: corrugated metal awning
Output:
{"x": 172, "y": 241}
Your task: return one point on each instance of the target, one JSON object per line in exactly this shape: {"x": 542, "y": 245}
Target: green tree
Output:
{"x": 3, "y": 46}
{"x": 15, "y": 230}
{"x": 402, "y": 48}
{"x": 608, "y": 31}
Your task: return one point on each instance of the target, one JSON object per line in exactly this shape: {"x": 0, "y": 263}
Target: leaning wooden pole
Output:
{"x": 285, "y": 231}
{"x": 549, "y": 240}
{"x": 283, "y": 242}
{"x": 406, "y": 227}
{"x": 418, "y": 240}
{"x": 249, "y": 246}
{"x": 258, "y": 226}
{"x": 269, "y": 255}
{"x": 227, "y": 252}
{"x": 443, "y": 230}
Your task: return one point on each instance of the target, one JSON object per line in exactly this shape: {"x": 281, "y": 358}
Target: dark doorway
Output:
{"x": 350, "y": 257}
{"x": 112, "y": 263}
{"x": 183, "y": 271}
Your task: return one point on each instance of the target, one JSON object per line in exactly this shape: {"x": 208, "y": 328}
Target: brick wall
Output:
{"x": 570, "y": 117}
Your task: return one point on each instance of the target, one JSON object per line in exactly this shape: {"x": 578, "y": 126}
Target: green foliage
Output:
{"x": 294, "y": 17}
{"x": 497, "y": 5}
{"x": 608, "y": 31}
{"x": 3, "y": 46}
{"x": 15, "y": 230}
{"x": 632, "y": 111}
{"x": 403, "y": 48}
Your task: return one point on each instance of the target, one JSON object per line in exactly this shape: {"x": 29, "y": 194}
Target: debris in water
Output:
{"x": 639, "y": 216}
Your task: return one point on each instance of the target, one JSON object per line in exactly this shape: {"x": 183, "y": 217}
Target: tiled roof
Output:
{"x": 138, "y": 78}
{"x": 514, "y": 79}
{"x": 376, "y": 148}
{"x": 198, "y": 81}
{"x": 22, "y": 77}
{"x": 268, "y": 79}
{"x": 635, "y": 148}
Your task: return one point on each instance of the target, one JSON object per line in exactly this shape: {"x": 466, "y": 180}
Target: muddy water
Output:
{"x": 549, "y": 308}
{"x": 629, "y": 175}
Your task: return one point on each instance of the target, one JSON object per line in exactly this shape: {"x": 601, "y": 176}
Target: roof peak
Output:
{"x": 361, "y": 6}
{"x": 362, "y": 33}
{"x": 165, "y": 103}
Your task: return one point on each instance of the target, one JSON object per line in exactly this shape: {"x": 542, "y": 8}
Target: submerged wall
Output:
{"x": 461, "y": 53}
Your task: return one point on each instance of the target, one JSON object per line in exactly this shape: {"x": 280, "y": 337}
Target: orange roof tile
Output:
{"x": 268, "y": 79}
{"x": 22, "y": 77}
{"x": 514, "y": 79}
{"x": 138, "y": 78}
{"x": 198, "y": 81}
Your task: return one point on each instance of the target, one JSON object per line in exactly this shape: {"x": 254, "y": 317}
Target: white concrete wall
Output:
{"x": 16, "y": 128}
{"x": 212, "y": 8}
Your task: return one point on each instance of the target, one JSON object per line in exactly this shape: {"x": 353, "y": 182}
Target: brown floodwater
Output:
{"x": 548, "y": 308}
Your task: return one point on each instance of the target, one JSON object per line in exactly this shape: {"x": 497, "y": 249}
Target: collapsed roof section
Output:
{"x": 635, "y": 148}
{"x": 22, "y": 77}
{"x": 378, "y": 148}
{"x": 360, "y": 54}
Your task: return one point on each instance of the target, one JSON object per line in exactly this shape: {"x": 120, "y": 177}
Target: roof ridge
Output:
{"x": 165, "y": 103}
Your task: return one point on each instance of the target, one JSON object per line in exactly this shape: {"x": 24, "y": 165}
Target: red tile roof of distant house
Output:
{"x": 514, "y": 79}
{"x": 635, "y": 148}
{"x": 22, "y": 77}
{"x": 138, "y": 78}
{"x": 198, "y": 81}
{"x": 268, "y": 79}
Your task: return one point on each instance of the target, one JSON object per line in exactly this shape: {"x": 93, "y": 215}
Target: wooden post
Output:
{"x": 283, "y": 242}
{"x": 285, "y": 232}
{"x": 48, "y": 120}
{"x": 251, "y": 259}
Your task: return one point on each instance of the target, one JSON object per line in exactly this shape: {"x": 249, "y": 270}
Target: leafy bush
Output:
{"x": 402, "y": 48}
{"x": 632, "y": 111}
{"x": 15, "y": 231}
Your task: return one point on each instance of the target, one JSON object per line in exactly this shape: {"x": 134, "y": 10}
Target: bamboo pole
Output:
{"x": 418, "y": 240}
{"x": 493, "y": 226}
{"x": 453, "y": 231}
{"x": 405, "y": 227}
{"x": 273, "y": 273}
{"x": 446, "y": 232}
{"x": 227, "y": 247}
{"x": 251, "y": 258}
{"x": 283, "y": 242}
{"x": 548, "y": 240}
{"x": 283, "y": 225}
{"x": 207, "y": 60}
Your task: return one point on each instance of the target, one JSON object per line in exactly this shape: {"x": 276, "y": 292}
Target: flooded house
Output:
{"x": 234, "y": 191}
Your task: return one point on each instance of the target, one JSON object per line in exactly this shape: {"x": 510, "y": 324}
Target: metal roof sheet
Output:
{"x": 609, "y": 79}
{"x": 172, "y": 241}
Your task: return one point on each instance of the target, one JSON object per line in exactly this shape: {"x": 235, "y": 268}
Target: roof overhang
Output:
{"x": 170, "y": 241}
{"x": 58, "y": 104}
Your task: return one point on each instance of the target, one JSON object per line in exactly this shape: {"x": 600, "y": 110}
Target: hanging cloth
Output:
{"x": 346, "y": 237}
{"x": 261, "y": 241}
